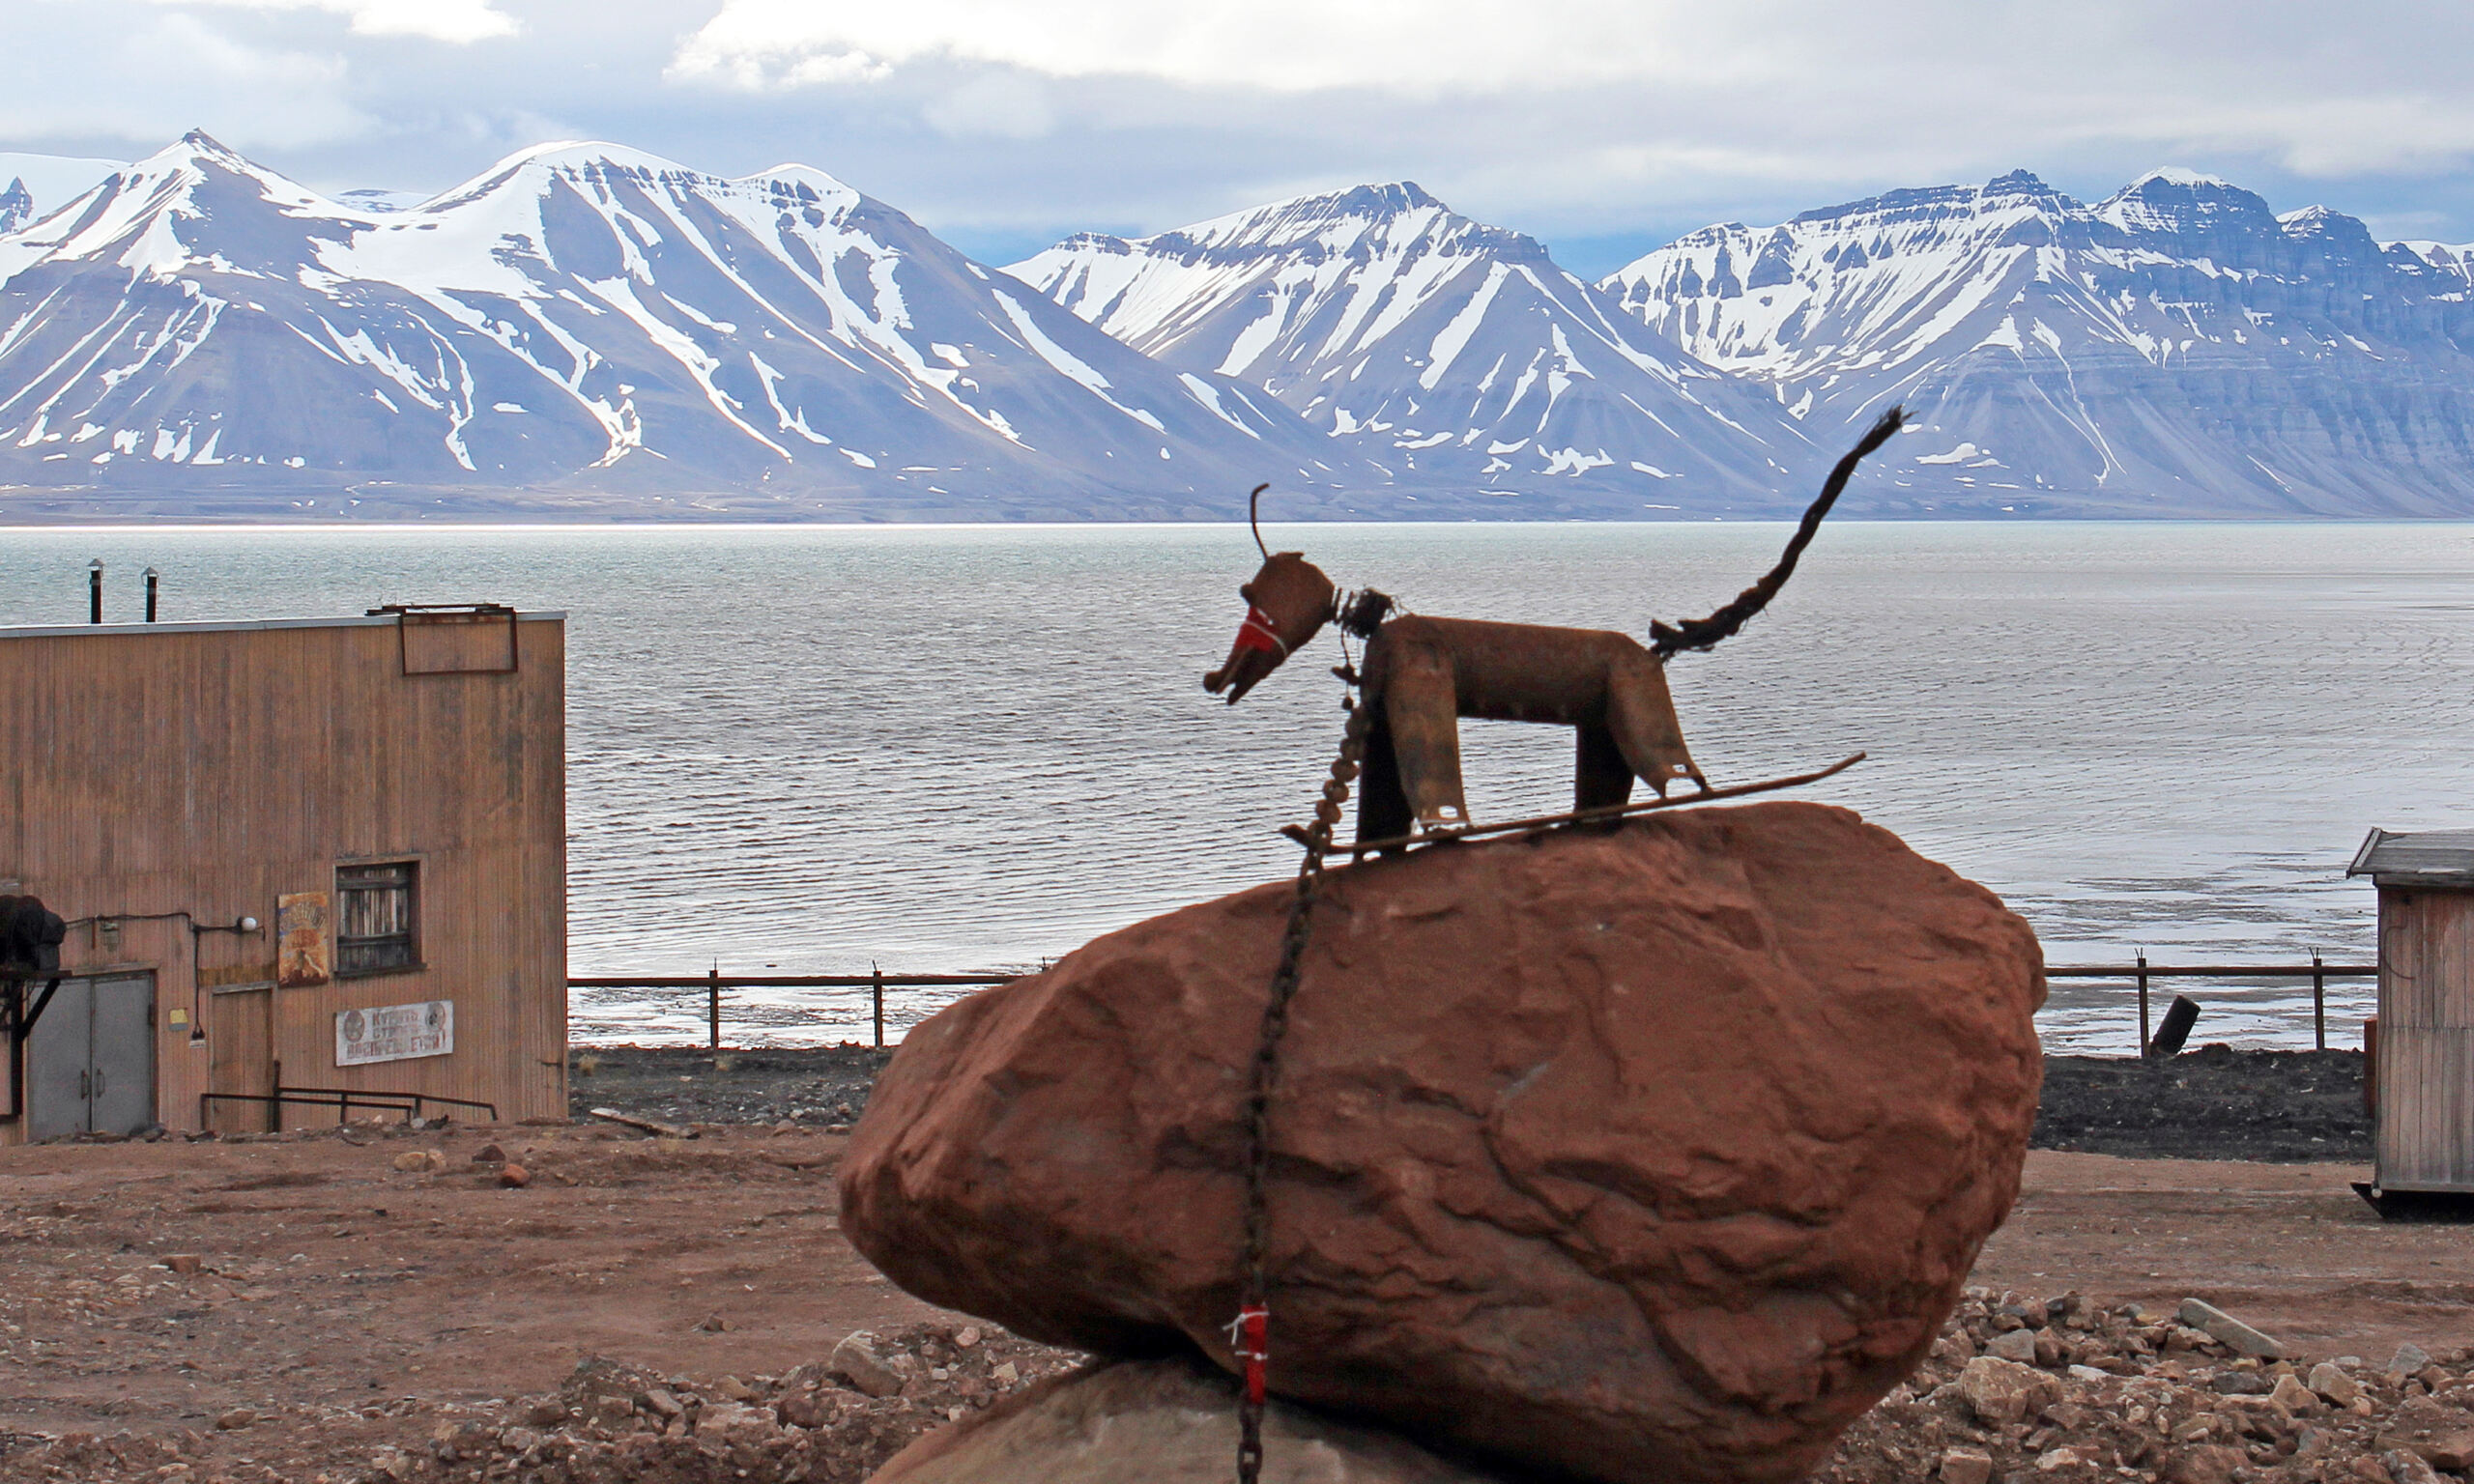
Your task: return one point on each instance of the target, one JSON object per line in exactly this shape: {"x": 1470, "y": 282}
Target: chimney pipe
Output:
{"x": 153, "y": 580}
{"x": 94, "y": 590}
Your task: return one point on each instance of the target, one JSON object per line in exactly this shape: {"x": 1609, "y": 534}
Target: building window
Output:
{"x": 374, "y": 924}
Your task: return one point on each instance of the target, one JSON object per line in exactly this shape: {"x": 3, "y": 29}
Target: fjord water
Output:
{"x": 952, "y": 748}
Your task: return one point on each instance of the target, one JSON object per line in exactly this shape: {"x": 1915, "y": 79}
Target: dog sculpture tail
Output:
{"x": 1668, "y": 639}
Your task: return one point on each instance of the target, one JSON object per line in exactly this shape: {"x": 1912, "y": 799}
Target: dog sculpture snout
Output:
{"x": 1287, "y": 602}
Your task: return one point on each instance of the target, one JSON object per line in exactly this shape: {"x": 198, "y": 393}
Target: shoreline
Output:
{"x": 2212, "y": 1102}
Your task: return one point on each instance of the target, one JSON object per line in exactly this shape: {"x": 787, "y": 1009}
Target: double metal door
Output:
{"x": 89, "y": 1064}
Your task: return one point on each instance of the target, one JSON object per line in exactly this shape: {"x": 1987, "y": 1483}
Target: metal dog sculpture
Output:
{"x": 1422, "y": 674}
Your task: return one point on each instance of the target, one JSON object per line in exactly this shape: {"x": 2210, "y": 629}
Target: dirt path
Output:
{"x": 2290, "y": 1247}
{"x": 333, "y": 1283}
{"x": 351, "y": 1304}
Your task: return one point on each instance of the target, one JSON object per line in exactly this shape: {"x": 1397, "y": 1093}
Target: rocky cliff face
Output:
{"x": 17, "y": 205}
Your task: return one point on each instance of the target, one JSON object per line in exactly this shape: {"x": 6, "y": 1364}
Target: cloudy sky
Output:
{"x": 1605, "y": 127}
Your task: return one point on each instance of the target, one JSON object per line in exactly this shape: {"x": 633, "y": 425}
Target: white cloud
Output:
{"x": 440, "y": 21}
{"x": 1410, "y": 47}
{"x": 997, "y": 105}
{"x": 165, "y": 73}
{"x": 1792, "y": 87}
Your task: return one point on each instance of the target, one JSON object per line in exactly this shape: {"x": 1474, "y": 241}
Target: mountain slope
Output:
{"x": 601, "y": 328}
{"x": 1441, "y": 347}
{"x": 2175, "y": 349}
{"x": 51, "y": 181}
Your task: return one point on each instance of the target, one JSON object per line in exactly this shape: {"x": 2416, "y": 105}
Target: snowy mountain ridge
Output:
{"x": 2175, "y": 348}
{"x": 594, "y": 326}
{"x": 1443, "y": 347}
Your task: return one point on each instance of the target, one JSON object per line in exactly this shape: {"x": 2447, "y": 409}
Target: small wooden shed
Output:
{"x": 2423, "y": 1047}
{"x": 313, "y": 869}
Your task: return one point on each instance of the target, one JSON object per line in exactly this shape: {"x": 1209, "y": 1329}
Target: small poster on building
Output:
{"x": 300, "y": 929}
{"x": 394, "y": 1033}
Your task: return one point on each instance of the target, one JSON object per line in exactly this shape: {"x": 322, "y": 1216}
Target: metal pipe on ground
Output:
{"x": 2180, "y": 1018}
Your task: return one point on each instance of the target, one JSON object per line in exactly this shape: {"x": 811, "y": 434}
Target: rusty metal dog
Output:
{"x": 1421, "y": 674}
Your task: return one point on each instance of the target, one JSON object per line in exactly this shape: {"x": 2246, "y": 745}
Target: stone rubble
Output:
{"x": 2114, "y": 1394}
{"x": 2120, "y": 1394}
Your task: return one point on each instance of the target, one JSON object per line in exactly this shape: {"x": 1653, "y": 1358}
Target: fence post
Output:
{"x": 877, "y": 991}
{"x": 2318, "y": 1002}
{"x": 2143, "y": 1002}
{"x": 713, "y": 1006}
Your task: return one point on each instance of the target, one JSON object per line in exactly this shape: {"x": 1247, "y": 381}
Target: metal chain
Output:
{"x": 1250, "y": 1336}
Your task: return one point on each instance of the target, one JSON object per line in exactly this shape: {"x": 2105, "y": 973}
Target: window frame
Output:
{"x": 410, "y": 938}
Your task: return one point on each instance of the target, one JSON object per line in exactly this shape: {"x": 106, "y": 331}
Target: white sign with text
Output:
{"x": 394, "y": 1033}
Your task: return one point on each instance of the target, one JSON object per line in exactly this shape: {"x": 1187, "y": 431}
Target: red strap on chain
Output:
{"x": 1253, "y": 1346}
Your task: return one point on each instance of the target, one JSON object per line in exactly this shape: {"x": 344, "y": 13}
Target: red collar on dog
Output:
{"x": 1257, "y": 632}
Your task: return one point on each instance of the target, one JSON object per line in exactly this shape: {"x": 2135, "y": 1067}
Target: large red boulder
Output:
{"x": 1653, "y": 1153}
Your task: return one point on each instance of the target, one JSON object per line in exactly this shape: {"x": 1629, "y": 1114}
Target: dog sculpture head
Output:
{"x": 1287, "y": 601}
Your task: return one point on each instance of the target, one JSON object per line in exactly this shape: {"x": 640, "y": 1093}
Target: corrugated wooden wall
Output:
{"x": 159, "y": 770}
{"x": 2426, "y": 1135}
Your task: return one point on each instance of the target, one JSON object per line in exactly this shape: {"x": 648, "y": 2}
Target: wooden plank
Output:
{"x": 2426, "y": 1131}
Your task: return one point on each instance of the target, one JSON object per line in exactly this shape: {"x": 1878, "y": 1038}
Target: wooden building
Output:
{"x": 317, "y": 858}
{"x": 2421, "y": 1043}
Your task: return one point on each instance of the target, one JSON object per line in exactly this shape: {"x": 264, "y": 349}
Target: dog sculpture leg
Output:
{"x": 1602, "y": 775}
{"x": 1640, "y": 719}
{"x": 1420, "y": 710}
{"x": 1382, "y": 808}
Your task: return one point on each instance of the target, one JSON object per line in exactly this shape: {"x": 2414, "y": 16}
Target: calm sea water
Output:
{"x": 942, "y": 749}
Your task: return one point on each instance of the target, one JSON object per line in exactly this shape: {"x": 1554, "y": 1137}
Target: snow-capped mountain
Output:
{"x": 1443, "y": 348}
{"x": 598, "y": 328}
{"x": 42, "y": 183}
{"x": 2174, "y": 349}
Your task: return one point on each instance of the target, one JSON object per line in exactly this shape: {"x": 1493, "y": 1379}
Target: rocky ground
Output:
{"x": 2067, "y": 1389}
{"x": 371, "y": 1304}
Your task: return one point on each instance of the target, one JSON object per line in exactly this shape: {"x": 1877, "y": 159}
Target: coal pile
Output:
{"x": 818, "y": 1087}
{"x": 2214, "y": 1103}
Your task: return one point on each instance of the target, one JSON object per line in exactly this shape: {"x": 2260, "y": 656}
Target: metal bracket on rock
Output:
{"x": 1540, "y": 823}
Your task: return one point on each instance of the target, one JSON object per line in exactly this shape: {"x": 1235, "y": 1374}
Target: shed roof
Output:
{"x": 2441, "y": 858}
{"x": 233, "y": 626}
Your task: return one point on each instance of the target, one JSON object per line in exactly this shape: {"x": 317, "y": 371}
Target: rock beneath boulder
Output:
{"x": 1653, "y": 1153}
{"x": 855, "y": 1360}
{"x": 2002, "y": 1392}
{"x": 1171, "y": 1421}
